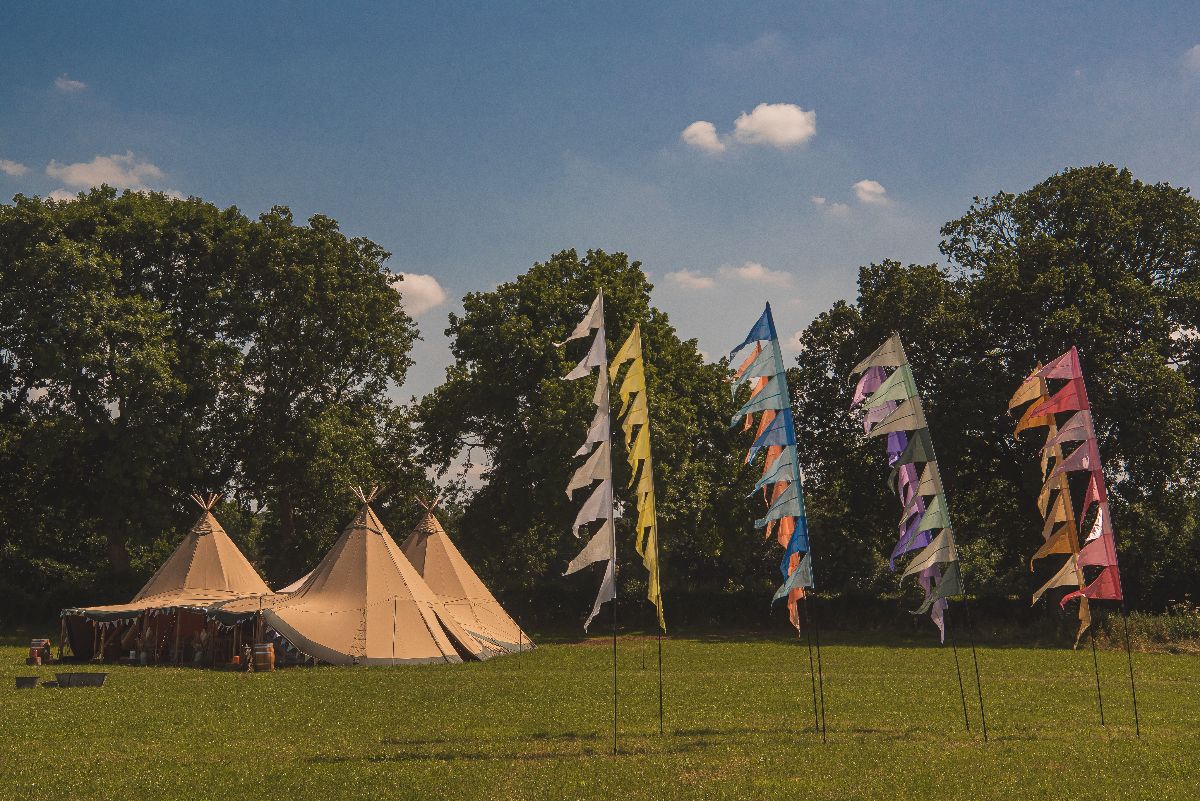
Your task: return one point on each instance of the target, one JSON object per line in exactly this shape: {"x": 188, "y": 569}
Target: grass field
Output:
{"x": 738, "y": 725}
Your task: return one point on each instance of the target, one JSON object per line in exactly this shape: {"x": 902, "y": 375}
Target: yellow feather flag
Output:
{"x": 645, "y": 520}
{"x": 639, "y": 450}
{"x": 636, "y": 413}
{"x": 632, "y": 349}
{"x": 645, "y": 485}
{"x": 635, "y": 381}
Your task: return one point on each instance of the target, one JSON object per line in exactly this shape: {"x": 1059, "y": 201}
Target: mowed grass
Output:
{"x": 537, "y": 726}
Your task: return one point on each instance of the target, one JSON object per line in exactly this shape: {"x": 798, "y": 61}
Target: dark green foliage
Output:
{"x": 1090, "y": 258}
{"x": 504, "y": 402}
{"x": 152, "y": 347}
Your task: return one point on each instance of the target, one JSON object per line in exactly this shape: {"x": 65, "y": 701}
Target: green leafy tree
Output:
{"x": 326, "y": 341}
{"x": 152, "y": 347}
{"x": 1095, "y": 258}
{"x": 1091, "y": 257}
{"x": 504, "y": 404}
{"x": 113, "y": 367}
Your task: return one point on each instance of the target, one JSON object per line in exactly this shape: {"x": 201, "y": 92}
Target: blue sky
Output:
{"x": 472, "y": 140}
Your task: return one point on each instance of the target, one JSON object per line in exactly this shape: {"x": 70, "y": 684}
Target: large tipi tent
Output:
{"x": 439, "y": 562}
{"x": 205, "y": 568}
{"x": 365, "y": 604}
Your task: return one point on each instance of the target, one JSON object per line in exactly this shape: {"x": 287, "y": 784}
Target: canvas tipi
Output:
{"x": 439, "y": 562}
{"x": 205, "y": 569}
{"x": 365, "y": 604}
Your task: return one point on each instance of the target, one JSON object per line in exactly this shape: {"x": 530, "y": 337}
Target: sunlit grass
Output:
{"x": 738, "y": 725}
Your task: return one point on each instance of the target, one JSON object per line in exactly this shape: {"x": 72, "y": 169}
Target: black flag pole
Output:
{"x": 812, "y": 667}
{"x": 614, "y": 652}
{"x": 962, "y": 693}
{"x": 1096, "y": 670}
{"x": 1137, "y": 725}
{"x": 816, "y": 628}
{"x": 975, "y": 659}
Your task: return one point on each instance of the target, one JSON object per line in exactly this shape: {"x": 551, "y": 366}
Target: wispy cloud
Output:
{"x": 702, "y": 135}
{"x": 769, "y": 46}
{"x": 753, "y": 272}
{"x": 69, "y": 85}
{"x": 120, "y": 171}
{"x": 419, "y": 293}
{"x": 689, "y": 279}
{"x": 13, "y": 168}
{"x": 63, "y": 195}
{"x": 779, "y": 125}
{"x": 871, "y": 193}
{"x": 750, "y": 272}
{"x": 792, "y": 344}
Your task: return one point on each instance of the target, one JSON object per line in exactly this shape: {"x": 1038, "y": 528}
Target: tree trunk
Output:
{"x": 280, "y": 552}
{"x": 118, "y": 554}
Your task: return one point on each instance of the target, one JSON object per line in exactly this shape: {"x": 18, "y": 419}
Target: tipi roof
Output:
{"x": 366, "y": 604}
{"x": 205, "y": 568}
{"x": 447, "y": 573}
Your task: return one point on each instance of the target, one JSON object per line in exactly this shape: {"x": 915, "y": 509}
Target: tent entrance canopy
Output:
{"x": 157, "y": 636}
{"x": 199, "y": 602}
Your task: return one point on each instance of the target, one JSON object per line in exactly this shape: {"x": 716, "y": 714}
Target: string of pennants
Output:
{"x": 781, "y": 482}
{"x": 887, "y": 393}
{"x": 1061, "y": 528}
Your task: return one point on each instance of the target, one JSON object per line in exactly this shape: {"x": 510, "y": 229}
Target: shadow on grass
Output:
{"x": 473, "y": 754}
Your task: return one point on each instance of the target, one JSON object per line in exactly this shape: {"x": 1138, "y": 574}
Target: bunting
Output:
{"x": 782, "y": 482}
{"x": 887, "y": 393}
{"x": 1060, "y": 528}
{"x": 602, "y": 546}
{"x": 635, "y": 414}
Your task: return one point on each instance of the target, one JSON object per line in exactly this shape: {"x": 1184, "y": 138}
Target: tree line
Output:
{"x": 151, "y": 347}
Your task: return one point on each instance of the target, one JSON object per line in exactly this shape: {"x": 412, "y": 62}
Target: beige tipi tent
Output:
{"x": 205, "y": 568}
{"x": 365, "y": 604}
{"x": 439, "y": 562}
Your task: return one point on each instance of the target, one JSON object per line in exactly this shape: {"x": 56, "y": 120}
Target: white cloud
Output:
{"x": 419, "y": 293}
{"x": 817, "y": 200}
{"x": 13, "y": 168}
{"x": 69, "y": 85}
{"x": 754, "y": 272}
{"x": 121, "y": 172}
{"x": 792, "y": 344}
{"x": 702, "y": 135}
{"x": 780, "y": 125}
{"x": 690, "y": 280}
{"x": 871, "y": 192}
{"x": 62, "y": 194}
{"x": 1191, "y": 58}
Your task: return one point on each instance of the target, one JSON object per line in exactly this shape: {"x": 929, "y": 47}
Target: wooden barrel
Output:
{"x": 264, "y": 656}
